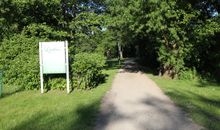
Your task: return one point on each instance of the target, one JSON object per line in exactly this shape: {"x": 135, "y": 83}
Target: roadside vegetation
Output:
{"x": 173, "y": 36}
{"x": 199, "y": 98}
{"x": 54, "y": 110}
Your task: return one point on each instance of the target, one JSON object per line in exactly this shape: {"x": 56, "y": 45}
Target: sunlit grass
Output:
{"x": 200, "y": 99}
{"x": 55, "y": 110}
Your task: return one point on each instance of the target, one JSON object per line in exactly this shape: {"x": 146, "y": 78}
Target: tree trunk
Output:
{"x": 120, "y": 51}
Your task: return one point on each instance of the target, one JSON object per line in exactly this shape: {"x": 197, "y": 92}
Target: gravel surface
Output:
{"x": 135, "y": 102}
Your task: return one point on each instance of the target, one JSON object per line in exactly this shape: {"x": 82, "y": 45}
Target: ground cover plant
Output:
{"x": 200, "y": 99}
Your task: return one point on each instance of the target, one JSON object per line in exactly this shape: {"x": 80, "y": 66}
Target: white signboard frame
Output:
{"x": 54, "y": 54}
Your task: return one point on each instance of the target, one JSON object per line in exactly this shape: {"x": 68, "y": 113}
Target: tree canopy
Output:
{"x": 175, "y": 37}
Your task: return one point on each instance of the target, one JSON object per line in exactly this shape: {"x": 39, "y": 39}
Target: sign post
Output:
{"x": 54, "y": 60}
{"x": 41, "y": 70}
{"x": 67, "y": 68}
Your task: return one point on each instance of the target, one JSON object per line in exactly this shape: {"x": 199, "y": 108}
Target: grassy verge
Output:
{"x": 200, "y": 99}
{"x": 55, "y": 110}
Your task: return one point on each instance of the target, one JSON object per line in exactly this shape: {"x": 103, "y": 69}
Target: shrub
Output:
{"x": 188, "y": 74}
{"x": 57, "y": 81}
{"x": 21, "y": 62}
{"x": 87, "y": 70}
{"x": 20, "y": 57}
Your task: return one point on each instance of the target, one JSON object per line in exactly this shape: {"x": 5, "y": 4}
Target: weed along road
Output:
{"x": 135, "y": 102}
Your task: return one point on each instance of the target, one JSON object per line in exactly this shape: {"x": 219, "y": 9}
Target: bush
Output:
{"x": 87, "y": 70}
{"x": 20, "y": 57}
{"x": 57, "y": 81}
{"x": 188, "y": 74}
{"x": 21, "y": 62}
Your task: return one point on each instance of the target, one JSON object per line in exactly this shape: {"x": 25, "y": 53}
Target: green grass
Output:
{"x": 201, "y": 100}
{"x": 55, "y": 110}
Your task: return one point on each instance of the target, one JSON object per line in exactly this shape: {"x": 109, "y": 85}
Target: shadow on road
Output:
{"x": 133, "y": 65}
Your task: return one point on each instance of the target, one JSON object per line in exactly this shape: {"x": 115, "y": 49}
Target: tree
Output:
{"x": 170, "y": 31}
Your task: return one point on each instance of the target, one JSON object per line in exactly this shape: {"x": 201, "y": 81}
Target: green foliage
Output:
{"x": 20, "y": 57}
{"x": 188, "y": 74}
{"x": 86, "y": 29}
{"x": 45, "y": 21}
{"x": 170, "y": 24}
{"x": 54, "y": 82}
{"x": 21, "y": 62}
{"x": 86, "y": 70}
{"x": 205, "y": 54}
{"x": 173, "y": 35}
{"x": 16, "y": 14}
{"x": 44, "y": 31}
{"x": 178, "y": 34}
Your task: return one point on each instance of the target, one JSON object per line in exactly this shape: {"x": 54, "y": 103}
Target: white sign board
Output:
{"x": 53, "y": 57}
{"x": 54, "y": 60}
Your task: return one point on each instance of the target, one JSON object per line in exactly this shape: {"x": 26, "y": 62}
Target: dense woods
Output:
{"x": 178, "y": 38}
